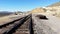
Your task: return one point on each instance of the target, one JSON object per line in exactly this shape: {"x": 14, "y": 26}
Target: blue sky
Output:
{"x": 24, "y": 5}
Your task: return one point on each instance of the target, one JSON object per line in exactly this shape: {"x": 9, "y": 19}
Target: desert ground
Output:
{"x": 50, "y": 26}
{"x": 9, "y": 18}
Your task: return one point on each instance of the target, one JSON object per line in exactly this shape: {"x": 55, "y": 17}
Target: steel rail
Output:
{"x": 16, "y": 26}
{"x": 4, "y": 25}
{"x": 31, "y": 25}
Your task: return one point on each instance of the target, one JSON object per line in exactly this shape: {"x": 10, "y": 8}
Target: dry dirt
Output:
{"x": 9, "y": 18}
{"x": 50, "y": 26}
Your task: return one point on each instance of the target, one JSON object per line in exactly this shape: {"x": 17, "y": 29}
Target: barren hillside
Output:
{"x": 38, "y": 10}
{"x": 54, "y": 4}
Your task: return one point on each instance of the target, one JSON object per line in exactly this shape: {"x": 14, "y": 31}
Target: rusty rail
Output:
{"x": 16, "y": 26}
{"x": 31, "y": 25}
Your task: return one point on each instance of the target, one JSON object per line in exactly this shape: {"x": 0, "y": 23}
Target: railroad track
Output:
{"x": 23, "y": 25}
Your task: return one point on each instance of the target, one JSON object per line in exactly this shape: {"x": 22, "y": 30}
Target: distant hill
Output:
{"x": 54, "y": 4}
{"x": 2, "y": 13}
{"x": 38, "y": 10}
